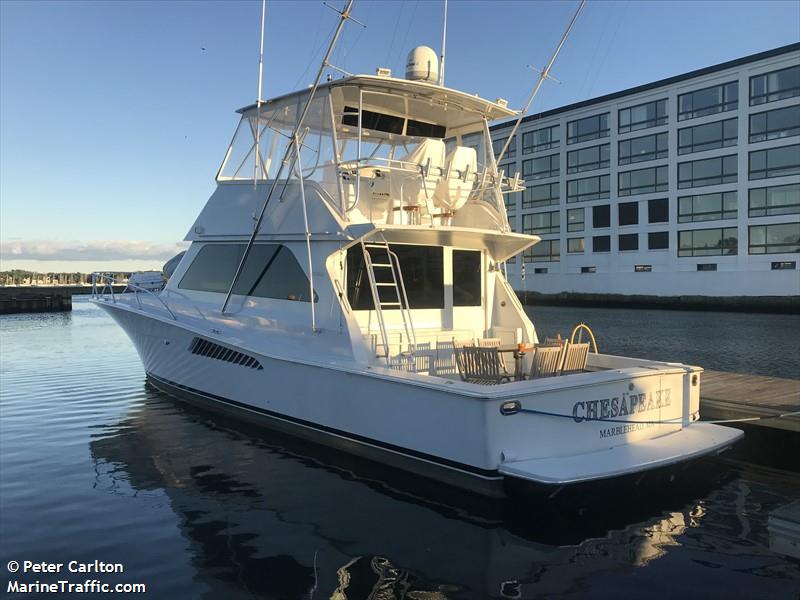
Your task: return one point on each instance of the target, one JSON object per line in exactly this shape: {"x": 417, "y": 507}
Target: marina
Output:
{"x": 218, "y": 501}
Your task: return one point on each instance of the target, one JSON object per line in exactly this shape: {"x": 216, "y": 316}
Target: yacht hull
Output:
{"x": 436, "y": 431}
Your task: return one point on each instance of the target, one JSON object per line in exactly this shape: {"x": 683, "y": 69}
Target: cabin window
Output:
{"x": 391, "y": 124}
{"x": 422, "y": 268}
{"x": 466, "y": 278}
{"x": 271, "y": 271}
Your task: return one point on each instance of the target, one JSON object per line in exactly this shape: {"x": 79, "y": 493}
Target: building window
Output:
{"x": 511, "y": 200}
{"x": 588, "y": 188}
{"x": 575, "y": 245}
{"x": 774, "y": 239}
{"x": 589, "y": 128}
{"x": 628, "y": 241}
{"x": 601, "y": 243}
{"x": 643, "y": 181}
{"x": 707, "y": 267}
{"x": 775, "y": 124}
{"x": 540, "y": 168}
{"x": 776, "y": 85}
{"x": 658, "y": 210}
{"x": 540, "y": 271}
{"x": 658, "y": 240}
{"x": 497, "y": 147}
{"x": 588, "y": 269}
{"x": 775, "y": 162}
{"x": 546, "y": 194}
{"x": 541, "y": 139}
{"x": 710, "y": 136}
{"x": 544, "y": 251}
{"x": 641, "y": 149}
{"x": 643, "y": 116}
{"x": 588, "y": 159}
{"x": 575, "y": 219}
{"x": 707, "y": 207}
{"x": 628, "y": 213}
{"x": 775, "y": 200}
{"x": 512, "y": 223}
{"x": 708, "y": 242}
{"x": 541, "y": 223}
{"x": 642, "y": 268}
{"x": 601, "y": 216}
{"x": 708, "y": 101}
{"x": 708, "y": 171}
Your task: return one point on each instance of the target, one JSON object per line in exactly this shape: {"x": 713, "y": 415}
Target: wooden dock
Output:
{"x": 737, "y": 396}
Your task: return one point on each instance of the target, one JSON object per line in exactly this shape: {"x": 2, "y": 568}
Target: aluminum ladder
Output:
{"x": 388, "y": 262}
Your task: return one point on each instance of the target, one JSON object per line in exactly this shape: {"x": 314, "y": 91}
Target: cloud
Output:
{"x": 95, "y": 250}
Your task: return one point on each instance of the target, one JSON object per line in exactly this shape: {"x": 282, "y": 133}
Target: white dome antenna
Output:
{"x": 422, "y": 64}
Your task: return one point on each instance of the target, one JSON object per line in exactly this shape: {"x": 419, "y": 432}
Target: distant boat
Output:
{"x": 369, "y": 309}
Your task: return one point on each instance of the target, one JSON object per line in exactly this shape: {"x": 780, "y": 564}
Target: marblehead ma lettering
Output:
{"x": 620, "y": 406}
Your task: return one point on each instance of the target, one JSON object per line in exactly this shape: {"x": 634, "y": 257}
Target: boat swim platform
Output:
{"x": 726, "y": 395}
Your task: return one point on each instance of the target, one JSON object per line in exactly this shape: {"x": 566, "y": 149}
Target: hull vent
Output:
{"x": 203, "y": 347}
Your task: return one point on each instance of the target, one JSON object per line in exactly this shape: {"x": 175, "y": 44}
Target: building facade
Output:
{"x": 686, "y": 186}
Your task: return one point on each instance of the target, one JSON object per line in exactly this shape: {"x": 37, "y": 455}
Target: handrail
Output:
{"x": 109, "y": 281}
{"x": 579, "y": 329}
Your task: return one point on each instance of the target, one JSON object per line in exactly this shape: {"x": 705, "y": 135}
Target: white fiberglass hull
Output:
{"x": 598, "y": 425}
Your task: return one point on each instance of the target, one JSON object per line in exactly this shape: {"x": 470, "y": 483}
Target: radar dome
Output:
{"x": 422, "y": 65}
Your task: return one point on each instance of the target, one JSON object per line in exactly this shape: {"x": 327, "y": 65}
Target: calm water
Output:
{"x": 94, "y": 465}
{"x": 760, "y": 344}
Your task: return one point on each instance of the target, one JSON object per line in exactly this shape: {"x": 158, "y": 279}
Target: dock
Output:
{"x": 41, "y": 298}
{"x": 739, "y": 396}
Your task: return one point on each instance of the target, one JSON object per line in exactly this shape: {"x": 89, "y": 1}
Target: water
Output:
{"x": 759, "y": 344}
{"x": 95, "y": 465}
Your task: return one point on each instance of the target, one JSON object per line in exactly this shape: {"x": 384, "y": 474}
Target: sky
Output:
{"x": 114, "y": 116}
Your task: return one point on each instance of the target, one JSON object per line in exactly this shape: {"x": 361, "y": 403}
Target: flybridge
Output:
{"x": 380, "y": 150}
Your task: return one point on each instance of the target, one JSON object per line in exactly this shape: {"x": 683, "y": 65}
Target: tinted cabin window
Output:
{"x": 423, "y": 275}
{"x": 391, "y": 124}
{"x": 466, "y": 278}
{"x": 271, "y": 271}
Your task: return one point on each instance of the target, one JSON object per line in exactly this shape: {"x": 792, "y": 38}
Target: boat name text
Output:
{"x": 626, "y": 404}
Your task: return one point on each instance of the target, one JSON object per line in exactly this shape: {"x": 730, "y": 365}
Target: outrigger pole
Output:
{"x": 292, "y": 146}
{"x": 544, "y": 74}
{"x": 257, "y": 162}
{"x": 444, "y": 44}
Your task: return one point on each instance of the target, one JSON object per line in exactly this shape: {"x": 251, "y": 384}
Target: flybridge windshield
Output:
{"x": 392, "y": 124}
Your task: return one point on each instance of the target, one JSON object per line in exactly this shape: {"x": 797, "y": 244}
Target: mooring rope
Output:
{"x": 660, "y": 422}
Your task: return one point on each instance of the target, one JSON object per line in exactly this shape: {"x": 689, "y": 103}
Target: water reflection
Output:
{"x": 278, "y": 519}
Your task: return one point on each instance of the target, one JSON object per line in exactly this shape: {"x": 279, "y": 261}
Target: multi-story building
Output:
{"x": 685, "y": 186}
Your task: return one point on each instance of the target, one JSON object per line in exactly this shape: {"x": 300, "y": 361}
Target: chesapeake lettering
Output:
{"x": 619, "y": 406}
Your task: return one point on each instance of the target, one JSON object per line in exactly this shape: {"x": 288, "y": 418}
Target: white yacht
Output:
{"x": 352, "y": 292}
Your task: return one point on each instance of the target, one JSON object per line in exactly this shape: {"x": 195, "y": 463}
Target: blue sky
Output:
{"x": 114, "y": 116}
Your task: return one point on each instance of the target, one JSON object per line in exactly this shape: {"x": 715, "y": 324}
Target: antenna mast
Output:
{"x": 444, "y": 44}
{"x": 257, "y": 162}
{"x": 542, "y": 76}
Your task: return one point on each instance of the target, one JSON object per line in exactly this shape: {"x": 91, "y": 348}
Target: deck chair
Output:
{"x": 458, "y": 355}
{"x": 482, "y": 365}
{"x": 547, "y": 361}
{"x": 492, "y": 343}
{"x": 575, "y": 358}
{"x": 423, "y": 357}
{"x": 444, "y": 360}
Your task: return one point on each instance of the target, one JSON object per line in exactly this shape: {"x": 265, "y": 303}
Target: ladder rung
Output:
{"x": 382, "y": 265}
{"x": 389, "y": 304}
{"x": 384, "y": 246}
{"x": 387, "y": 284}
